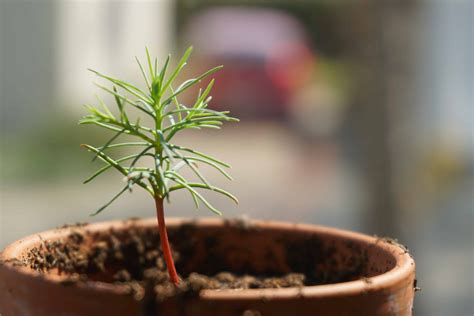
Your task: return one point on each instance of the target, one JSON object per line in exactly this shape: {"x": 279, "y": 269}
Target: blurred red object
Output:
{"x": 265, "y": 53}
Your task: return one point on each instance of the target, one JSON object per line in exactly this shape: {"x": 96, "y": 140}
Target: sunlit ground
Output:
{"x": 276, "y": 176}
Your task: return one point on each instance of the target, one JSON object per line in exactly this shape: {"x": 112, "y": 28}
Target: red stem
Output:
{"x": 165, "y": 245}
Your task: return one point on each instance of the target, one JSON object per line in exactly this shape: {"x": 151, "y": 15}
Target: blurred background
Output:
{"x": 356, "y": 115}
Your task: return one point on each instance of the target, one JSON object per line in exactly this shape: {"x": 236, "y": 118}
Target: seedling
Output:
{"x": 160, "y": 103}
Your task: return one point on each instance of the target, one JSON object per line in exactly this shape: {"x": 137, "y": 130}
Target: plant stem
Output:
{"x": 165, "y": 245}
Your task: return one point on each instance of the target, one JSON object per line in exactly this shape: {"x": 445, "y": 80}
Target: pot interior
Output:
{"x": 323, "y": 256}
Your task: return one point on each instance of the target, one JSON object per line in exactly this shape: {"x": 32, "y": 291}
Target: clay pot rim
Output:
{"x": 404, "y": 263}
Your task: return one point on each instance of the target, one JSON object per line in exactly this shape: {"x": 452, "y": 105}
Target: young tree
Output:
{"x": 160, "y": 103}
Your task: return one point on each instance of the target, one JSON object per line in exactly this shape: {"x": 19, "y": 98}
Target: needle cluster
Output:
{"x": 160, "y": 102}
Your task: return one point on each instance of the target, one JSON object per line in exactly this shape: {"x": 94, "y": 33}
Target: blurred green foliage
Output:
{"x": 49, "y": 150}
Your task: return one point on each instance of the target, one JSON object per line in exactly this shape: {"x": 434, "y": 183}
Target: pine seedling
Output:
{"x": 160, "y": 102}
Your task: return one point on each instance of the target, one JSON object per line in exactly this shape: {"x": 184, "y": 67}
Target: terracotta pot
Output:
{"x": 378, "y": 275}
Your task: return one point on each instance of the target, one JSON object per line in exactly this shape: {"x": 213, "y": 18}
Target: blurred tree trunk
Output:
{"x": 382, "y": 40}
